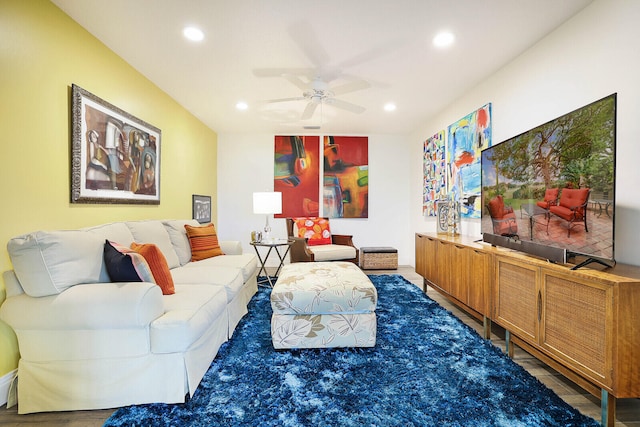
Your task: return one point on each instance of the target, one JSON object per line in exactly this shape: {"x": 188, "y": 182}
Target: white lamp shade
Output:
{"x": 267, "y": 203}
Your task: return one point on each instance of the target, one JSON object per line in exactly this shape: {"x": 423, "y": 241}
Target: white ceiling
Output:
{"x": 386, "y": 43}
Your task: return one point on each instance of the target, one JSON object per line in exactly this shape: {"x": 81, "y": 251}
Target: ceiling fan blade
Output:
{"x": 297, "y": 81}
{"x": 344, "y": 105}
{"x": 297, "y": 98}
{"x": 350, "y": 87}
{"x": 279, "y": 72}
{"x": 309, "y": 110}
{"x": 303, "y": 35}
{"x": 373, "y": 54}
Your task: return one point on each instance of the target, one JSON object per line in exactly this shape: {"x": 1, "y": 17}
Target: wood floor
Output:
{"x": 628, "y": 410}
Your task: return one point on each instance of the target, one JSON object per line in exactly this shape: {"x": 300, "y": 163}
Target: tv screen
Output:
{"x": 552, "y": 187}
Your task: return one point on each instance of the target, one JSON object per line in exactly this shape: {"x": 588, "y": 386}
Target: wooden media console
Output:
{"x": 584, "y": 323}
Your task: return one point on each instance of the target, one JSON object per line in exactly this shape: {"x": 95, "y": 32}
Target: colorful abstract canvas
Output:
{"x": 346, "y": 177}
{"x": 297, "y": 175}
{"x": 465, "y": 140}
{"x": 435, "y": 184}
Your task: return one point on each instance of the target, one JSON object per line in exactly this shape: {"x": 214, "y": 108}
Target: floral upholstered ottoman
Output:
{"x": 322, "y": 305}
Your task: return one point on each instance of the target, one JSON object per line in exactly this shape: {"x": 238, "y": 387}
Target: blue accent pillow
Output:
{"x": 125, "y": 265}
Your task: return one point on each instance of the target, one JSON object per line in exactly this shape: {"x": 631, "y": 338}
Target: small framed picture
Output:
{"x": 201, "y": 208}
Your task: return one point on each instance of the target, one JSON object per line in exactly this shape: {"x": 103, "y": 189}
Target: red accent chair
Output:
{"x": 550, "y": 199}
{"x": 502, "y": 217}
{"x": 572, "y": 207}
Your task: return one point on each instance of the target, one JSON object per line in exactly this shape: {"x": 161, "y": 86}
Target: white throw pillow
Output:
{"x": 154, "y": 232}
{"x": 178, "y": 237}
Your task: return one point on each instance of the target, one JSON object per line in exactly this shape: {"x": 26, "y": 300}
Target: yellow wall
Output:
{"x": 43, "y": 52}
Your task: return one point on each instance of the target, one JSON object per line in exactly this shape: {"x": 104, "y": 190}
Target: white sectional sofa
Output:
{"x": 88, "y": 343}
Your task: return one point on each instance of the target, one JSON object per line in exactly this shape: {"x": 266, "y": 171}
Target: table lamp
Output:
{"x": 267, "y": 203}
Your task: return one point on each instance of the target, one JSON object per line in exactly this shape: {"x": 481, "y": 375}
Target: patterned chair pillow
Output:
{"x": 315, "y": 230}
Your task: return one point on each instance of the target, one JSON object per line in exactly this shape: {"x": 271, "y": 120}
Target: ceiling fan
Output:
{"x": 314, "y": 81}
{"x": 318, "y": 92}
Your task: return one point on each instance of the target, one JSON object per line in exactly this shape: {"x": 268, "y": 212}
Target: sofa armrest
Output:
{"x": 88, "y": 306}
{"x": 231, "y": 247}
{"x": 299, "y": 251}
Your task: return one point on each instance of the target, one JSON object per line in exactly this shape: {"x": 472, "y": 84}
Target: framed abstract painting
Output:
{"x": 115, "y": 157}
{"x": 465, "y": 140}
{"x": 297, "y": 174}
{"x": 435, "y": 185}
{"x": 345, "y": 185}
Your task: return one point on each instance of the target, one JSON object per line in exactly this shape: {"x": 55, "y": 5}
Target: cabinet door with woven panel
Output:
{"x": 577, "y": 323}
{"x": 517, "y": 298}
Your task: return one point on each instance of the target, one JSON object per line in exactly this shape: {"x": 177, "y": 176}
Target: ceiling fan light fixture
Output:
{"x": 193, "y": 33}
{"x": 390, "y": 106}
{"x": 242, "y": 106}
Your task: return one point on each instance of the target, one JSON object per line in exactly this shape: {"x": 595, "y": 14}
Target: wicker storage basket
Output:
{"x": 378, "y": 258}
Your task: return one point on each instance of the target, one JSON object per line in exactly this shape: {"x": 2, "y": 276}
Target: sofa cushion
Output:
{"x": 126, "y": 265}
{"x": 114, "y": 232}
{"x": 188, "y": 315}
{"x": 179, "y": 239}
{"x": 158, "y": 265}
{"x": 154, "y": 232}
{"x": 203, "y": 241}
{"x": 246, "y": 262}
{"x": 48, "y": 262}
{"x": 228, "y": 277}
{"x": 315, "y": 230}
{"x": 332, "y": 252}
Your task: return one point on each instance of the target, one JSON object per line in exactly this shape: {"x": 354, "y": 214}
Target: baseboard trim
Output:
{"x": 5, "y": 384}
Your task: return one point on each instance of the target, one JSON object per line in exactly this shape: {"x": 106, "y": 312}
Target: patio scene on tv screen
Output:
{"x": 554, "y": 185}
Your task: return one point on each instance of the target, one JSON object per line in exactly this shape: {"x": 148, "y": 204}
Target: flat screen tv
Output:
{"x": 550, "y": 190}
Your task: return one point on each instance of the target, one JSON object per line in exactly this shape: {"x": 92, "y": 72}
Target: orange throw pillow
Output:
{"x": 315, "y": 230}
{"x": 203, "y": 241}
{"x": 158, "y": 265}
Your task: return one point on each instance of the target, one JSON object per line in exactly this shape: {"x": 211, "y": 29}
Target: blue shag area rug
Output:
{"x": 427, "y": 369}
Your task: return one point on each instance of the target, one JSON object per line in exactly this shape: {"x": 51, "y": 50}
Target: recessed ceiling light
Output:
{"x": 194, "y": 34}
{"x": 390, "y": 106}
{"x": 242, "y": 105}
{"x": 444, "y": 39}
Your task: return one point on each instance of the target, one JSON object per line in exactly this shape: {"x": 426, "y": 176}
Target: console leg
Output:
{"x": 486, "y": 326}
{"x": 607, "y": 409}
{"x": 508, "y": 344}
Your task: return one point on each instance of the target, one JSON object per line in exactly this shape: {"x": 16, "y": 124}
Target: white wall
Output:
{"x": 591, "y": 56}
{"x": 245, "y": 165}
